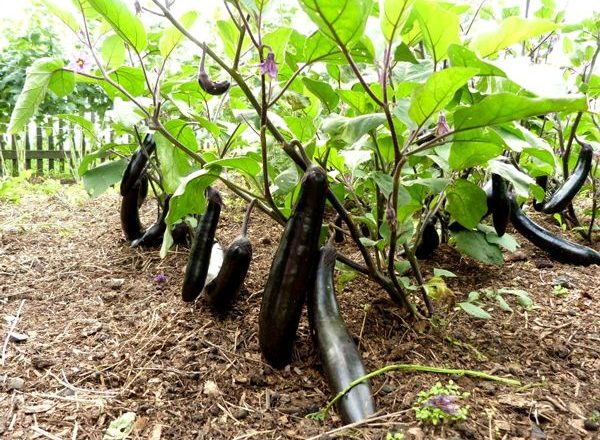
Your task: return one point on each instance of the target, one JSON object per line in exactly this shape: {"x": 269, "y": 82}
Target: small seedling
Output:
{"x": 559, "y": 290}
{"x": 441, "y": 404}
{"x": 394, "y": 436}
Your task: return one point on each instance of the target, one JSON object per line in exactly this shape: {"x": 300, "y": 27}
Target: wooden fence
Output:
{"x": 53, "y": 146}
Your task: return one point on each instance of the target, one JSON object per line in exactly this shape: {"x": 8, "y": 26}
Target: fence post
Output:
{"x": 15, "y": 161}
{"x": 39, "y": 145}
{"x": 51, "y": 144}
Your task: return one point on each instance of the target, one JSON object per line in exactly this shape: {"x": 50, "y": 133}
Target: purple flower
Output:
{"x": 269, "y": 66}
{"x": 442, "y": 127}
{"x": 80, "y": 62}
{"x": 160, "y": 278}
{"x": 445, "y": 403}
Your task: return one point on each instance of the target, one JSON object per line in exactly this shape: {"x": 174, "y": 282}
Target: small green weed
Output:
{"x": 394, "y": 436}
{"x": 560, "y": 291}
{"x": 441, "y": 404}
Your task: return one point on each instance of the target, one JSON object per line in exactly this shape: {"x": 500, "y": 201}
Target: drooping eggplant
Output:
{"x": 569, "y": 189}
{"x": 558, "y": 248}
{"x": 130, "y": 217}
{"x": 500, "y": 205}
{"x": 339, "y": 235}
{"x": 137, "y": 163}
{"x": 223, "y": 290}
{"x": 293, "y": 270}
{"x": 206, "y": 84}
{"x": 341, "y": 360}
{"x": 199, "y": 258}
{"x": 429, "y": 241}
{"x": 153, "y": 236}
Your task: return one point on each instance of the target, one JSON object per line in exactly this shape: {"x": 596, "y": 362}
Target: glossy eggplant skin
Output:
{"x": 224, "y": 289}
{"x": 137, "y": 163}
{"x": 153, "y": 236}
{"x": 293, "y": 270}
{"x": 339, "y": 235}
{"x": 130, "y": 218}
{"x": 543, "y": 182}
{"x": 211, "y": 87}
{"x": 429, "y": 241}
{"x": 558, "y": 248}
{"x": 500, "y": 205}
{"x": 199, "y": 258}
{"x": 341, "y": 360}
{"x": 569, "y": 189}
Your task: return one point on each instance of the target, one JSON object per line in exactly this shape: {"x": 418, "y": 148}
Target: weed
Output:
{"x": 441, "y": 404}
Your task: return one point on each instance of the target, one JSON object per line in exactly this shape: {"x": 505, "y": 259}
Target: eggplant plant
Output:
{"x": 404, "y": 104}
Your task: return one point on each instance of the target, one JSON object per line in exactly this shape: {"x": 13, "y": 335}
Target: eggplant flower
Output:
{"x": 269, "y": 66}
{"x": 160, "y": 278}
{"x": 442, "y": 127}
{"x": 445, "y": 403}
{"x": 80, "y": 62}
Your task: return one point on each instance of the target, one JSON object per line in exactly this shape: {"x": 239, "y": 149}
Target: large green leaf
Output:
{"x": 511, "y": 30}
{"x": 245, "y": 164}
{"x": 323, "y": 91}
{"x": 474, "y": 244}
{"x": 229, "y": 34}
{"x": 189, "y": 198}
{"x": 278, "y": 41}
{"x": 63, "y": 15}
{"x": 344, "y": 22}
{"x": 35, "y": 87}
{"x": 172, "y": 36}
{"x": 174, "y": 163}
{"x": 437, "y": 92}
{"x": 506, "y": 107}
{"x": 521, "y": 182}
{"x": 130, "y": 78}
{"x": 99, "y": 179}
{"x": 439, "y": 26}
{"x": 474, "y": 147}
{"x": 474, "y": 311}
{"x": 460, "y": 56}
{"x": 466, "y": 202}
{"x": 528, "y": 74}
{"x": 62, "y": 82}
{"x": 392, "y": 16}
{"x": 123, "y": 21}
{"x": 113, "y": 51}
{"x": 351, "y": 129}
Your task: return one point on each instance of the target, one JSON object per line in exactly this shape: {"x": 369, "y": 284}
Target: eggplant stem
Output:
{"x": 247, "y": 217}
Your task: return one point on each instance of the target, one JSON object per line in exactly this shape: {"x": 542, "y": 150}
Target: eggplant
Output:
{"x": 543, "y": 182}
{"x": 210, "y": 87}
{"x": 130, "y": 217}
{"x": 199, "y": 258}
{"x": 558, "y": 248}
{"x": 143, "y": 191}
{"x": 153, "y": 236}
{"x": 293, "y": 270}
{"x": 500, "y": 205}
{"x": 569, "y": 189}
{"x": 341, "y": 360}
{"x": 180, "y": 233}
{"x": 137, "y": 163}
{"x": 429, "y": 242}
{"x": 224, "y": 289}
{"x": 339, "y": 235}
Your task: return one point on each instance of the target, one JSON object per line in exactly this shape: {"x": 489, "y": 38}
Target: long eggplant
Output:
{"x": 569, "y": 189}
{"x": 153, "y": 236}
{"x": 341, "y": 360}
{"x": 137, "y": 163}
{"x": 199, "y": 258}
{"x": 293, "y": 270}
{"x": 500, "y": 205}
{"x": 558, "y": 248}
{"x": 130, "y": 217}
{"x": 224, "y": 289}
{"x": 429, "y": 242}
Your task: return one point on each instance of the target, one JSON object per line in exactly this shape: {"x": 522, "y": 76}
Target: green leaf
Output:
{"x": 99, "y": 179}
{"x": 343, "y": 22}
{"x": 189, "y": 198}
{"x": 120, "y": 428}
{"x": 460, "y": 56}
{"x": 511, "y": 30}
{"x": 437, "y": 92}
{"x": 474, "y": 311}
{"x": 174, "y": 163}
{"x": 62, "y": 14}
{"x": 474, "y": 244}
{"x": 130, "y": 78}
{"x": 229, "y": 34}
{"x": 123, "y": 21}
{"x": 466, "y": 202}
{"x": 324, "y": 92}
{"x": 62, "y": 82}
{"x": 440, "y": 28}
{"x": 278, "y": 41}
{"x": 403, "y": 53}
{"x": 351, "y": 129}
{"x": 443, "y": 273}
{"x": 523, "y": 297}
{"x": 506, "y": 107}
{"x": 474, "y": 147}
{"x": 172, "y": 36}
{"x": 507, "y": 241}
{"x": 502, "y": 303}
{"x": 527, "y": 74}
{"x": 33, "y": 93}
{"x": 113, "y": 52}
{"x": 521, "y": 182}
{"x": 245, "y": 164}
{"x": 393, "y": 15}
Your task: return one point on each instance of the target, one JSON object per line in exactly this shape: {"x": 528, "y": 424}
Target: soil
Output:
{"x": 104, "y": 337}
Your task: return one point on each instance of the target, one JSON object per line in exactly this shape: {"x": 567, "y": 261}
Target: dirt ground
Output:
{"x": 103, "y": 337}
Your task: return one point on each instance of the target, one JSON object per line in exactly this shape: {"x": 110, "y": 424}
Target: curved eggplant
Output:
{"x": 224, "y": 289}
{"x": 130, "y": 217}
{"x": 210, "y": 87}
{"x": 560, "y": 249}
{"x": 137, "y": 163}
{"x": 569, "y": 189}
{"x": 293, "y": 270}
{"x": 153, "y": 236}
{"x": 500, "y": 205}
{"x": 199, "y": 258}
{"x": 429, "y": 242}
{"x": 341, "y": 360}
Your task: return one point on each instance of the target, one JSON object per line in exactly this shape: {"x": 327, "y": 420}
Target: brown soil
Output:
{"x": 103, "y": 338}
